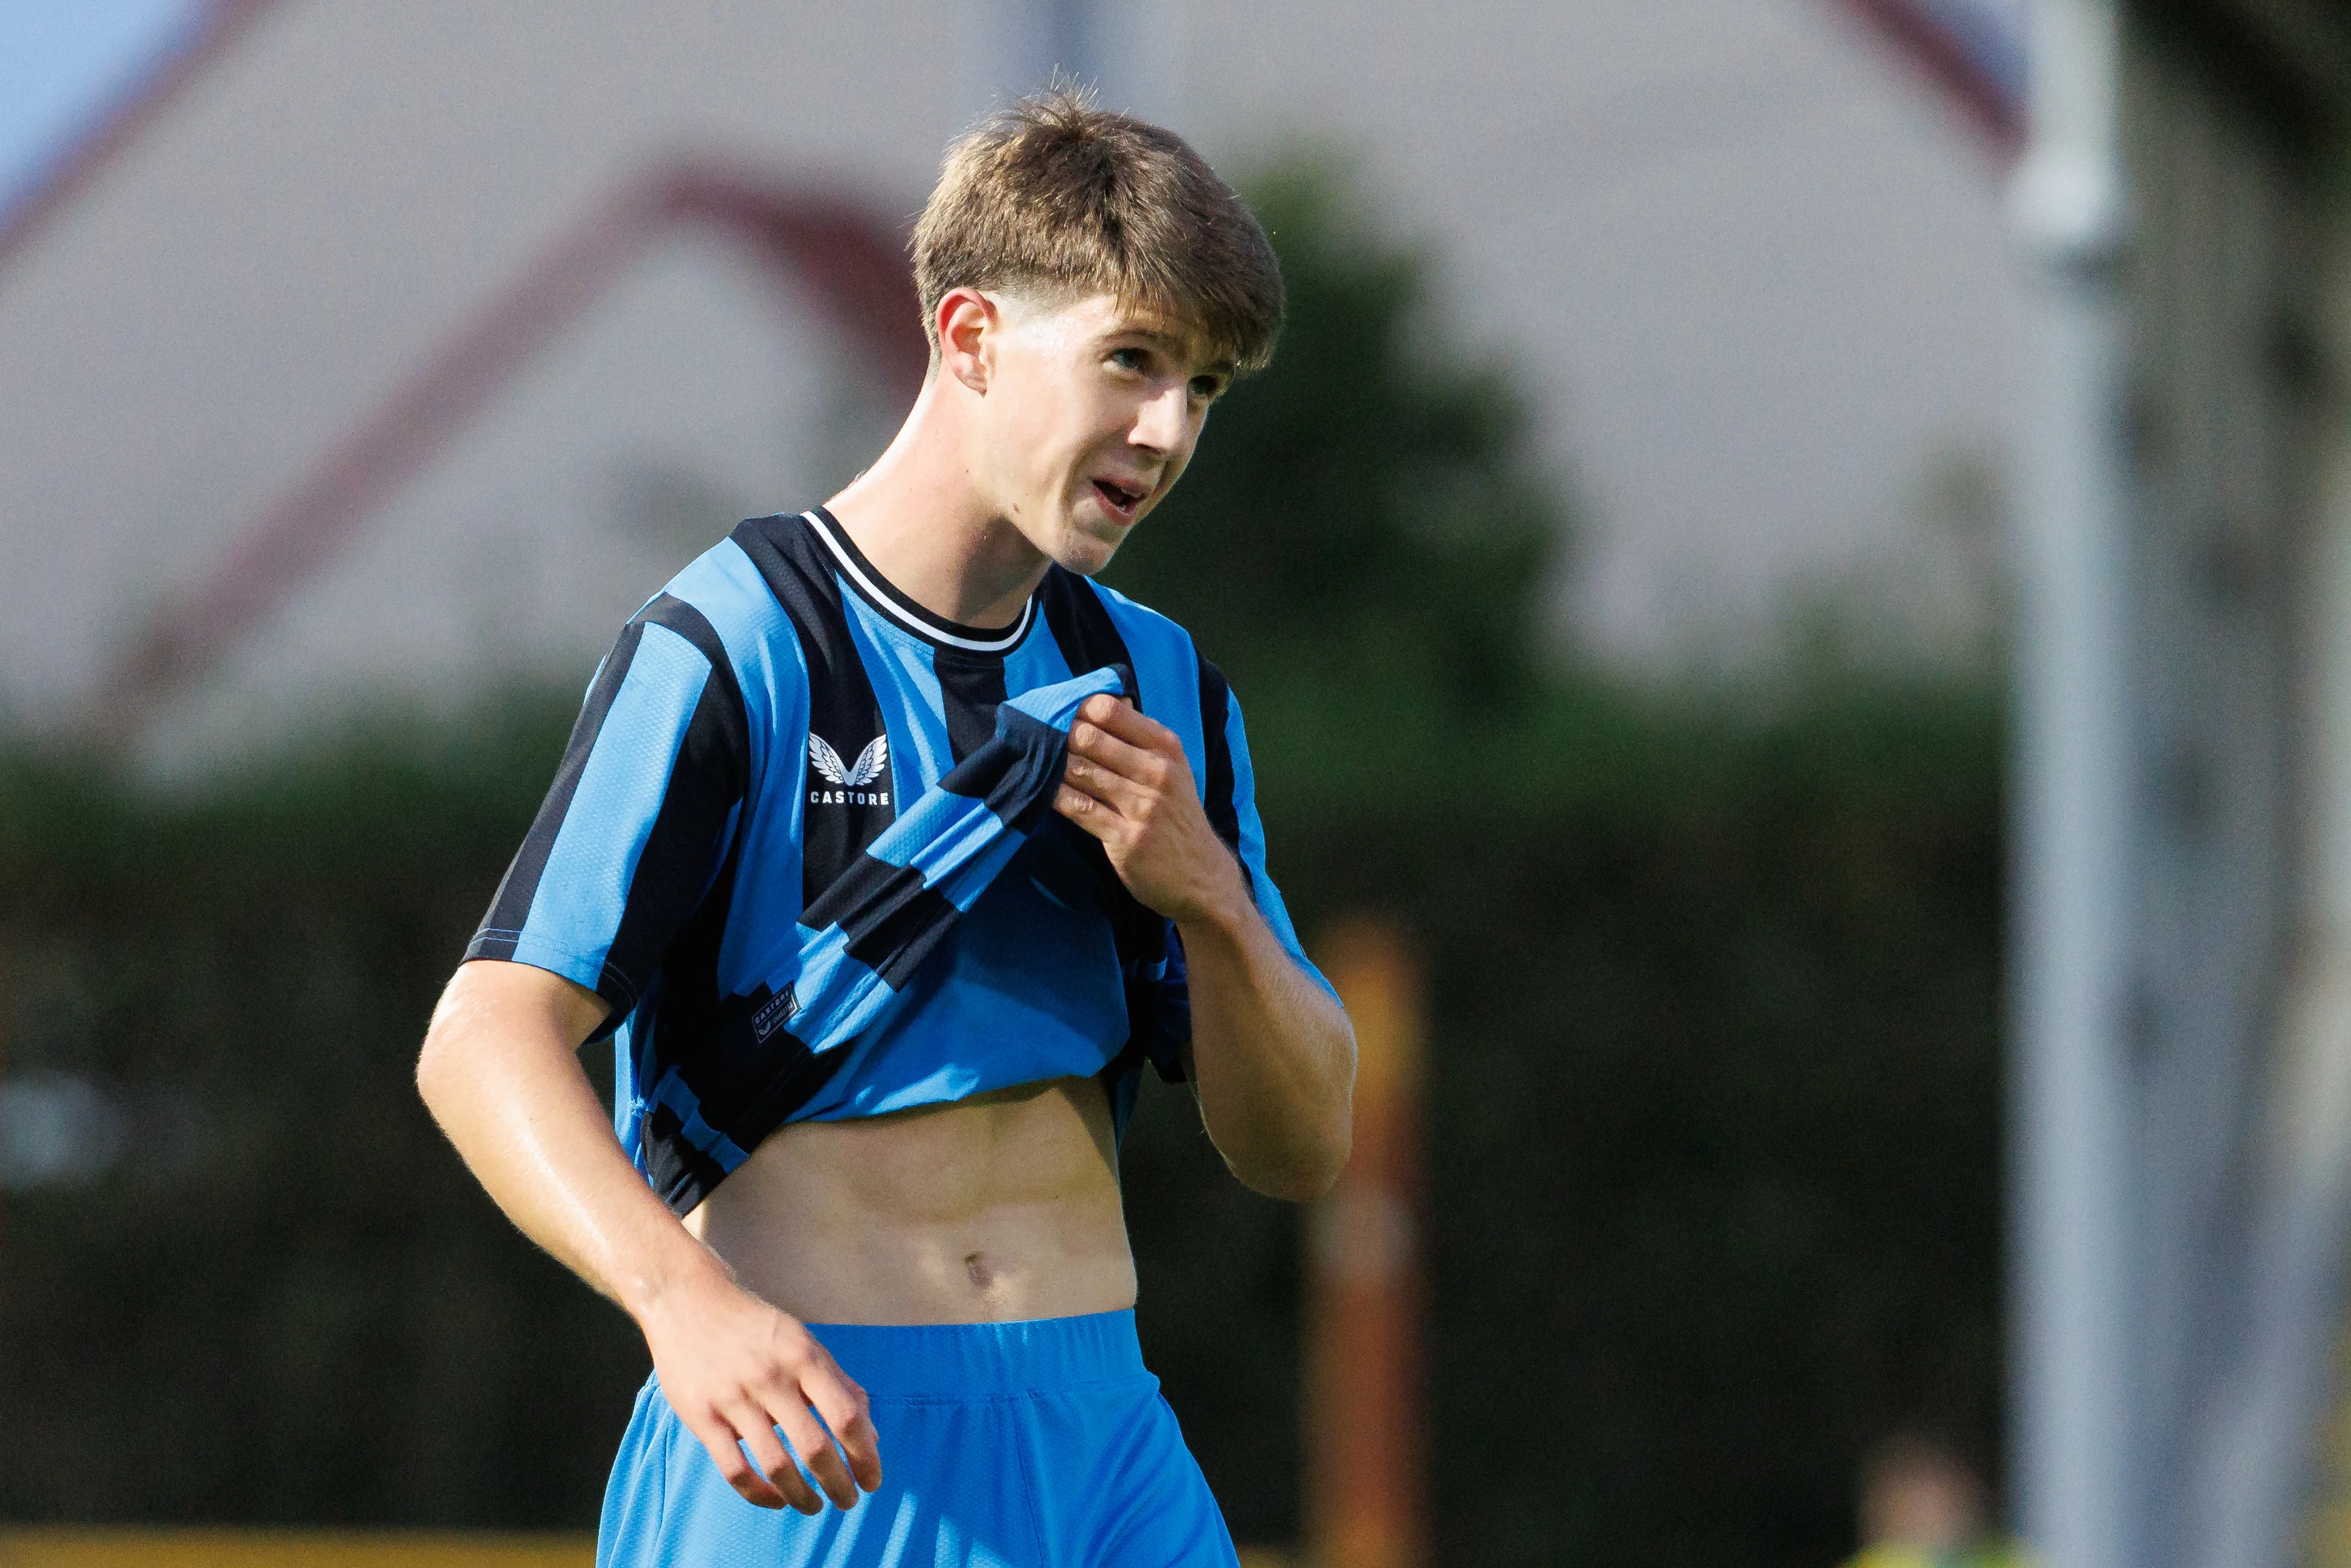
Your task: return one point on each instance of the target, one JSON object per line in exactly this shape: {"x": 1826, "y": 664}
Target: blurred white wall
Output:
{"x": 322, "y": 210}
{"x": 1753, "y": 272}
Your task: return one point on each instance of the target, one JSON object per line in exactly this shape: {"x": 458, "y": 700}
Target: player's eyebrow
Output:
{"x": 1176, "y": 346}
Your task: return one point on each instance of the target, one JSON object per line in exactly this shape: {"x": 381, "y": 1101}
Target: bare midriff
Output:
{"x": 998, "y": 1207}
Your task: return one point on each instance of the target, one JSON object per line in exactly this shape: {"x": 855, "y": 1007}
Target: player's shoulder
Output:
{"x": 723, "y": 602}
{"x": 1138, "y": 624}
{"x": 1180, "y": 685}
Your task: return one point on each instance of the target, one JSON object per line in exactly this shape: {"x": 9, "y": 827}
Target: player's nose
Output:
{"x": 1160, "y": 425}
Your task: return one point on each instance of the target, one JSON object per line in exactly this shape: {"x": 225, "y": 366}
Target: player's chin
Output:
{"x": 1088, "y": 544}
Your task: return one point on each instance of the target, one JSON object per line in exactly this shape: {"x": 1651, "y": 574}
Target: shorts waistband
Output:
{"x": 1038, "y": 1356}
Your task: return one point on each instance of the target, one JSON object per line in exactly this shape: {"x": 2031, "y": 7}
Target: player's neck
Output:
{"x": 918, "y": 518}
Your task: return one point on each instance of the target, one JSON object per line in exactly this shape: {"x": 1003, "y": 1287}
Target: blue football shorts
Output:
{"x": 1021, "y": 1445}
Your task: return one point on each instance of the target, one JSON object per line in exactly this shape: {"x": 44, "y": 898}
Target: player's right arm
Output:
{"x": 617, "y": 861}
{"x": 501, "y": 1073}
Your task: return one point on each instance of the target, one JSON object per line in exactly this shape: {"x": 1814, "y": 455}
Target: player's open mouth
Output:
{"x": 1121, "y": 500}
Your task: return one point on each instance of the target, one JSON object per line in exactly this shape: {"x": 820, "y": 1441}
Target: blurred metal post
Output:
{"x": 1365, "y": 1465}
{"x": 1035, "y": 40}
{"x": 1131, "y": 52}
{"x": 2264, "y": 1427}
{"x": 2074, "y": 830}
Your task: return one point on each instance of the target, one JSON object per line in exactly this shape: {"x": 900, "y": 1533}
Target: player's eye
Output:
{"x": 1207, "y": 387}
{"x": 1134, "y": 361}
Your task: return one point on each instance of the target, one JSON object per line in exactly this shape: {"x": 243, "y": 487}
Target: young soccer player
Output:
{"x": 889, "y": 848}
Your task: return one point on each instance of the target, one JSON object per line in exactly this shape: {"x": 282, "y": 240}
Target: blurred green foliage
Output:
{"x": 288, "y": 1301}
{"x": 1712, "y": 1125}
{"x": 1712, "y": 1130}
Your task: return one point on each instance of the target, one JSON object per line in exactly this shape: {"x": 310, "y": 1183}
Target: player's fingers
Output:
{"x": 1095, "y": 816}
{"x": 1129, "y": 723}
{"x": 1100, "y": 707}
{"x": 1095, "y": 743}
{"x": 775, "y": 1462}
{"x": 816, "y": 1453}
{"x": 1123, "y": 795}
{"x": 847, "y": 1412}
{"x": 719, "y": 1438}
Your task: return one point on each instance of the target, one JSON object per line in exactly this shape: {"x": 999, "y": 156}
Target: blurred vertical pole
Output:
{"x": 7, "y": 1018}
{"x": 1365, "y": 1460}
{"x": 1035, "y": 39}
{"x": 2072, "y": 1276}
{"x": 2260, "y": 1501}
{"x": 1133, "y": 54}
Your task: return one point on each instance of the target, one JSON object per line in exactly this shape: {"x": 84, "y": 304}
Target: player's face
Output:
{"x": 1091, "y": 414}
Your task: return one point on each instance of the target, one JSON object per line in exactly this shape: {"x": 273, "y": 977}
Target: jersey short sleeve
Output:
{"x": 634, "y": 826}
{"x": 1229, "y": 795}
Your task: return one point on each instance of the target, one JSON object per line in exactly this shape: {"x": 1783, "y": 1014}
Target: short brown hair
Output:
{"x": 1055, "y": 194}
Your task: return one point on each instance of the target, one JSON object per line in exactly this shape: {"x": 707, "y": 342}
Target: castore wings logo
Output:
{"x": 851, "y": 777}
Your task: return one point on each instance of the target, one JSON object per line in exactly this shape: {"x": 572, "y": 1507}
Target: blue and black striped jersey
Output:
{"x": 801, "y": 843}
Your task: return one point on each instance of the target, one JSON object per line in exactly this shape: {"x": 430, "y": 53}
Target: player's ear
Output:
{"x": 968, "y": 323}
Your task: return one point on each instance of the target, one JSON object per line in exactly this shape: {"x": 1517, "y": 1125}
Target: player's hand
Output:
{"x": 733, "y": 1367}
{"x": 1128, "y": 784}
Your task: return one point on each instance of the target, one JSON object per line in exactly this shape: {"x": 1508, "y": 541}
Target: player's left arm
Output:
{"x": 1273, "y": 1057}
